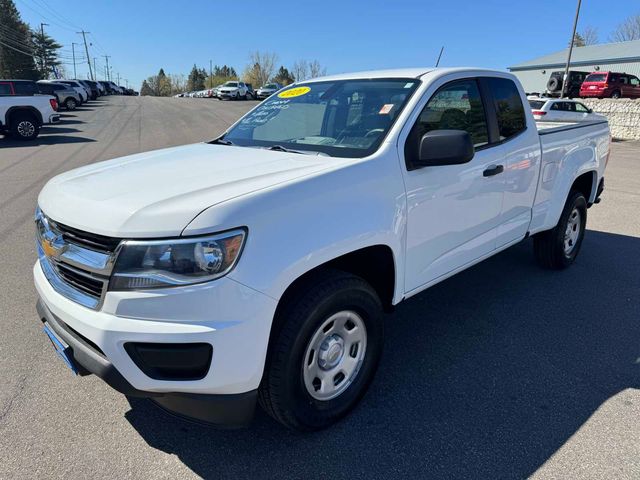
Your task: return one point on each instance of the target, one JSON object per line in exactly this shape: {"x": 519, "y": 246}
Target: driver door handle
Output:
{"x": 493, "y": 170}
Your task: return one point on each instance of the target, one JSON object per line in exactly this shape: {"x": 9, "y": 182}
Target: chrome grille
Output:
{"x": 77, "y": 264}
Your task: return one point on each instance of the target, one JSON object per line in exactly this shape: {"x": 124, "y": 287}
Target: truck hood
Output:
{"x": 156, "y": 194}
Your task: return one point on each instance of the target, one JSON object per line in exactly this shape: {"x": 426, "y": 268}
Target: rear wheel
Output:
{"x": 24, "y": 126}
{"x": 559, "y": 247}
{"x": 324, "y": 352}
{"x": 71, "y": 104}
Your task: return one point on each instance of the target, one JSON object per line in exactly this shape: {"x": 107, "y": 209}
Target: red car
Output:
{"x": 610, "y": 84}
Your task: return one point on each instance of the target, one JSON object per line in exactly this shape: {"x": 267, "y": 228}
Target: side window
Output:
{"x": 25, "y": 88}
{"x": 556, "y": 106}
{"x": 509, "y": 108}
{"x": 580, "y": 108}
{"x": 456, "y": 106}
{"x": 5, "y": 89}
{"x": 634, "y": 81}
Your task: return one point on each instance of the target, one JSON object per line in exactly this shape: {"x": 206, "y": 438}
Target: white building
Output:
{"x": 616, "y": 57}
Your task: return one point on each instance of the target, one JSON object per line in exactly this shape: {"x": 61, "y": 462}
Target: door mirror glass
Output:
{"x": 445, "y": 147}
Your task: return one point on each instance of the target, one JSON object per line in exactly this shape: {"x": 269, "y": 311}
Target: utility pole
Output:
{"x": 210, "y": 74}
{"x": 439, "y": 56}
{"x": 107, "y": 59}
{"x": 43, "y": 60}
{"x": 118, "y": 75}
{"x": 573, "y": 38}
{"x": 95, "y": 69}
{"x": 86, "y": 49}
{"x": 73, "y": 51}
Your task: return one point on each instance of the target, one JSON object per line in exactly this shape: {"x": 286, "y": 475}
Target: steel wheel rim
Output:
{"x": 334, "y": 355}
{"x": 26, "y": 129}
{"x": 572, "y": 232}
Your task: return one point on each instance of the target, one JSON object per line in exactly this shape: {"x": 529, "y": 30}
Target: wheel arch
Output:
{"x": 376, "y": 264}
{"x": 20, "y": 109}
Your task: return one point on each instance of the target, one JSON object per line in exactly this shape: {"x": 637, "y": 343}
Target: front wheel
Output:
{"x": 324, "y": 352}
{"x": 615, "y": 94}
{"x": 559, "y": 247}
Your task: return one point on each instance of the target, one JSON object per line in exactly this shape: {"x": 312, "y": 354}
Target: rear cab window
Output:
{"x": 508, "y": 105}
{"x": 536, "y": 104}
{"x": 25, "y": 88}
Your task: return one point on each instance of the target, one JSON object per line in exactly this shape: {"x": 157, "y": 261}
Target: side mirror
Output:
{"x": 445, "y": 147}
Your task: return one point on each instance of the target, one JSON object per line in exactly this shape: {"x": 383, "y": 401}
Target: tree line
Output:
{"x": 626, "y": 31}
{"x": 261, "y": 69}
{"x": 25, "y": 53}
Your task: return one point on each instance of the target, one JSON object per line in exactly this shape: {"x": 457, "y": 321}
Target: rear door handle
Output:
{"x": 493, "y": 170}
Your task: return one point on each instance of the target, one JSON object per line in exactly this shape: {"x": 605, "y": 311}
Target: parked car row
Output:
{"x": 593, "y": 85}
{"x": 25, "y": 105}
{"x": 234, "y": 90}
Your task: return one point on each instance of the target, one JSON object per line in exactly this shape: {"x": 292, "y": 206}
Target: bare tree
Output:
{"x": 262, "y": 66}
{"x": 590, "y": 35}
{"x": 627, "y": 30}
{"x": 300, "y": 70}
{"x": 315, "y": 70}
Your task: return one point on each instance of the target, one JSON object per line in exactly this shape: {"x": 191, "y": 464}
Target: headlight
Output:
{"x": 170, "y": 263}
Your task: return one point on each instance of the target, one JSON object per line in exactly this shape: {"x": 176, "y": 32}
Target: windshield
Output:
{"x": 270, "y": 86}
{"x": 231, "y": 84}
{"x": 596, "y": 77}
{"x": 345, "y": 118}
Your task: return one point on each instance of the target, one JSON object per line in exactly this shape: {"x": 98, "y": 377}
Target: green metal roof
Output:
{"x": 618, "y": 52}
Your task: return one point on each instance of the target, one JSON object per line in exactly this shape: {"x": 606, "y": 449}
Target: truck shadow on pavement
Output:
{"x": 45, "y": 138}
{"x": 485, "y": 375}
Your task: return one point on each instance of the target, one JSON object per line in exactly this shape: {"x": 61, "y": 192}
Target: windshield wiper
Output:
{"x": 221, "y": 141}
{"x": 280, "y": 148}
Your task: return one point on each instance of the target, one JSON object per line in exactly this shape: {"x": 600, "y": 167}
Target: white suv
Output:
{"x": 234, "y": 90}
{"x": 561, "y": 110}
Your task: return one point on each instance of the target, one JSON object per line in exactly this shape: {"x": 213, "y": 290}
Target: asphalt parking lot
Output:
{"x": 503, "y": 371}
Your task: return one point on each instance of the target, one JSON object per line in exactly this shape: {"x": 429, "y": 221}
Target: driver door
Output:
{"x": 453, "y": 211}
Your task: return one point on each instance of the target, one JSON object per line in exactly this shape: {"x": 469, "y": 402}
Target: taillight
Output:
{"x": 54, "y": 104}
{"x": 539, "y": 112}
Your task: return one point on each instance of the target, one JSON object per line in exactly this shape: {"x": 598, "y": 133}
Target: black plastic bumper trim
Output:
{"x": 231, "y": 410}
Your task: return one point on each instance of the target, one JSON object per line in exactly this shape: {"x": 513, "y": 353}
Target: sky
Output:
{"x": 343, "y": 35}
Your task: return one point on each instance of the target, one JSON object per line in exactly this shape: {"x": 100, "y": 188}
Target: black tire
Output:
{"x": 70, "y": 104}
{"x": 553, "y": 84}
{"x": 24, "y": 126}
{"x": 549, "y": 246}
{"x": 283, "y": 393}
{"x": 615, "y": 94}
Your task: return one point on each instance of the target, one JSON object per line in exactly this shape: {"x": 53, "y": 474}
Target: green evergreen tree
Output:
{"x": 283, "y": 77}
{"x": 46, "y": 51}
{"x": 16, "y": 46}
{"x": 145, "y": 89}
{"x": 196, "y": 79}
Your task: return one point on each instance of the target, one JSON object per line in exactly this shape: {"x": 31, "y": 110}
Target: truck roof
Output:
{"x": 398, "y": 73}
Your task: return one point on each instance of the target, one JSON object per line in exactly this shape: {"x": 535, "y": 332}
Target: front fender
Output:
{"x": 303, "y": 224}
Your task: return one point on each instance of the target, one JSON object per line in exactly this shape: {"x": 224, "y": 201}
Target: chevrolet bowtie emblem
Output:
{"x": 54, "y": 247}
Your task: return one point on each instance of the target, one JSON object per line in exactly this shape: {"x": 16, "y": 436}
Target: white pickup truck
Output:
{"x": 23, "y": 116}
{"x": 258, "y": 266}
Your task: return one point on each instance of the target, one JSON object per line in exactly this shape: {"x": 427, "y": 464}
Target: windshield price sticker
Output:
{"x": 294, "y": 92}
{"x": 386, "y": 108}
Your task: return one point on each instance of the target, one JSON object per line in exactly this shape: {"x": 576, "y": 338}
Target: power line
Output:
{"x": 44, "y": 16}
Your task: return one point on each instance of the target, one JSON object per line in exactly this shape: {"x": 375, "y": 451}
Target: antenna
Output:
{"x": 439, "y": 56}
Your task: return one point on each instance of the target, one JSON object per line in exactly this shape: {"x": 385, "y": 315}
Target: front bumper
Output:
{"x": 235, "y": 320}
